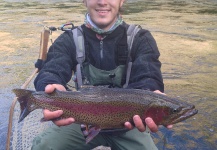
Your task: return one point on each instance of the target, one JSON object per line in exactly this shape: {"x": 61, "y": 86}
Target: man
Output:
{"x": 105, "y": 37}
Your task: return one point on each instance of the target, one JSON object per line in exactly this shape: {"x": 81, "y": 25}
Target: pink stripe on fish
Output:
{"x": 90, "y": 108}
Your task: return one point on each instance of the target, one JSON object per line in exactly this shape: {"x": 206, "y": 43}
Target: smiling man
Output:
{"x": 103, "y": 13}
{"x": 106, "y": 50}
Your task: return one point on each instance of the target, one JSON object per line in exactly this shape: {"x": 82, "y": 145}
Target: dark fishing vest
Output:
{"x": 87, "y": 74}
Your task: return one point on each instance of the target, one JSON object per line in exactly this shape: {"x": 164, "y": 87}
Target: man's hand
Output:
{"x": 49, "y": 115}
{"x": 149, "y": 122}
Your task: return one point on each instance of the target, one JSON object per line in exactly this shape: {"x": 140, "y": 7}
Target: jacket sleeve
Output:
{"x": 145, "y": 73}
{"x": 61, "y": 60}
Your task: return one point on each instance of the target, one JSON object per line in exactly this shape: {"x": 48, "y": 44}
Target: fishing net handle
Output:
{"x": 42, "y": 56}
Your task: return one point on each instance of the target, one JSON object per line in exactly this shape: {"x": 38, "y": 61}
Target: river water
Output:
{"x": 186, "y": 33}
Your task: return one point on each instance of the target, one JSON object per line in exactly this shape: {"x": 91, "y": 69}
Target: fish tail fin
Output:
{"x": 23, "y": 97}
{"x": 89, "y": 132}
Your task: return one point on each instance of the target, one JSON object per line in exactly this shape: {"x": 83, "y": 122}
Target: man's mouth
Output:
{"x": 102, "y": 11}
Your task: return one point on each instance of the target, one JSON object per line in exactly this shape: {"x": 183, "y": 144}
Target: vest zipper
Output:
{"x": 101, "y": 49}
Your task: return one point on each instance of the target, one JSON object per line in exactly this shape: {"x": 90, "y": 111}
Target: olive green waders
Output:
{"x": 71, "y": 138}
{"x": 97, "y": 76}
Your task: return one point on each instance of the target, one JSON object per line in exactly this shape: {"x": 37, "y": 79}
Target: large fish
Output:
{"x": 107, "y": 108}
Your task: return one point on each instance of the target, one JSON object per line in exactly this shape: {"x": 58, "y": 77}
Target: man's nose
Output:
{"x": 102, "y": 2}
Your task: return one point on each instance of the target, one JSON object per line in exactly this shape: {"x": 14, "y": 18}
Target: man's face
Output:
{"x": 103, "y": 12}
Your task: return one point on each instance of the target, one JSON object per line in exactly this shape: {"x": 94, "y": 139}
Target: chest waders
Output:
{"x": 87, "y": 74}
{"x": 97, "y": 76}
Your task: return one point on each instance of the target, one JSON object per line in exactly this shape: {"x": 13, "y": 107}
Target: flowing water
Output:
{"x": 186, "y": 34}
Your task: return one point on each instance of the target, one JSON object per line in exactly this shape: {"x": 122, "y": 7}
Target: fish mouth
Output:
{"x": 187, "y": 114}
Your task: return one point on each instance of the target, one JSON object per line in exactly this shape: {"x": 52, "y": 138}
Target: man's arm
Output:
{"x": 59, "y": 63}
{"x": 146, "y": 67}
{"x": 56, "y": 72}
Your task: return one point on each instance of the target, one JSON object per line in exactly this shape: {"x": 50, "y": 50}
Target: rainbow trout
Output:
{"x": 107, "y": 108}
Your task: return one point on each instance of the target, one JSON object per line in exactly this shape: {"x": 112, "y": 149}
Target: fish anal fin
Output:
{"x": 93, "y": 132}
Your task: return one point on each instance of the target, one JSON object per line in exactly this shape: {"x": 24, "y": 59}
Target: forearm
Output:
{"x": 146, "y": 75}
{"x": 45, "y": 78}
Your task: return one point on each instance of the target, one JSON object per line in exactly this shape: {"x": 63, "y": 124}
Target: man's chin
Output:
{"x": 104, "y": 26}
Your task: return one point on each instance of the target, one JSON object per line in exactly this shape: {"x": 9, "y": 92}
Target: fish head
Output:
{"x": 170, "y": 112}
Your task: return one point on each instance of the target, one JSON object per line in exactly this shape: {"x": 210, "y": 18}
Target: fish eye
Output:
{"x": 176, "y": 110}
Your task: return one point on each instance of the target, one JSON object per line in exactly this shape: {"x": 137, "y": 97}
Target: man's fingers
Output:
{"x": 64, "y": 122}
{"x": 59, "y": 87}
{"x": 159, "y": 92}
{"x": 49, "y": 115}
{"x": 138, "y": 123}
{"x": 128, "y": 125}
{"x": 51, "y": 87}
{"x": 152, "y": 126}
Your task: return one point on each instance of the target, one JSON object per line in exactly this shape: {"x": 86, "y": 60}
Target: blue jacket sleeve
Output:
{"x": 59, "y": 63}
{"x": 146, "y": 68}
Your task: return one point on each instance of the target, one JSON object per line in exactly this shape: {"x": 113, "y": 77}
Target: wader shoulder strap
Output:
{"x": 79, "y": 44}
{"x": 80, "y": 53}
{"x": 131, "y": 33}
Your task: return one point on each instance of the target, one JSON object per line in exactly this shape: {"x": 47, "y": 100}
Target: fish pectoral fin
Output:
{"x": 92, "y": 132}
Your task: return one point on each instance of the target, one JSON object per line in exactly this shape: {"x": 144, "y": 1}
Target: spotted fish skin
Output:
{"x": 107, "y": 107}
